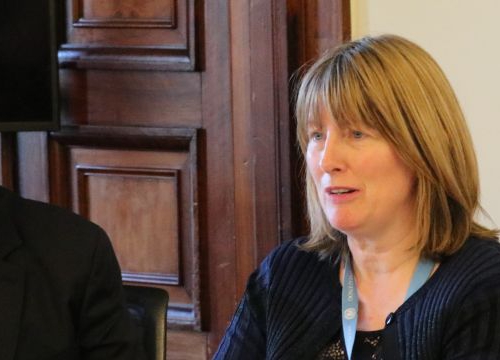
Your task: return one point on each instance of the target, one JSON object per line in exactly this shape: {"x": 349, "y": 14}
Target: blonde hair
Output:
{"x": 394, "y": 86}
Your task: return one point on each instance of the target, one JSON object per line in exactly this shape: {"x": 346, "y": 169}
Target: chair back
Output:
{"x": 148, "y": 308}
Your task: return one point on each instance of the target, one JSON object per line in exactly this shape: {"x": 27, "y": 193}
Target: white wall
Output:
{"x": 464, "y": 37}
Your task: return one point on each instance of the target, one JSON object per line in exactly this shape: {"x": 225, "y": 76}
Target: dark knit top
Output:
{"x": 292, "y": 309}
{"x": 367, "y": 345}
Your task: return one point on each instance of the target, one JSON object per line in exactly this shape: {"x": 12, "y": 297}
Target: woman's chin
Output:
{"x": 346, "y": 227}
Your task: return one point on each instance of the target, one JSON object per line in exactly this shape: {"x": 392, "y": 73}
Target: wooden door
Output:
{"x": 177, "y": 139}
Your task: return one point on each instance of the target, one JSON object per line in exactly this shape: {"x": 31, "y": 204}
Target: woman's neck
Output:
{"x": 374, "y": 258}
{"x": 382, "y": 270}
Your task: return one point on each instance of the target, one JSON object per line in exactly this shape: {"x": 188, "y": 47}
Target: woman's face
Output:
{"x": 363, "y": 186}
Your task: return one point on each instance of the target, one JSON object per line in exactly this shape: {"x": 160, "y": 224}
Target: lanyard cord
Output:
{"x": 350, "y": 298}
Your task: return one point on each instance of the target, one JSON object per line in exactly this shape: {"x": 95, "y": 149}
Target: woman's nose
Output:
{"x": 332, "y": 157}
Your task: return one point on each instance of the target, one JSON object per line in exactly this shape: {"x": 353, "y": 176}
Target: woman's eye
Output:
{"x": 316, "y": 136}
{"x": 357, "y": 134}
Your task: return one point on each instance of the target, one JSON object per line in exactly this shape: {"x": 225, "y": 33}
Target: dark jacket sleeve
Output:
{"x": 245, "y": 338}
{"x": 105, "y": 328}
{"x": 474, "y": 331}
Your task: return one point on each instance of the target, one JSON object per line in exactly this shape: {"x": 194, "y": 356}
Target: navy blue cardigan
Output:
{"x": 292, "y": 309}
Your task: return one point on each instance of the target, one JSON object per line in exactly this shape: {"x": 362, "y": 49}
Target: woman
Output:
{"x": 395, "y": 267}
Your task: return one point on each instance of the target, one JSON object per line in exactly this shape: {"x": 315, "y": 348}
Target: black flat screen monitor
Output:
{"x": 28, "y": 66}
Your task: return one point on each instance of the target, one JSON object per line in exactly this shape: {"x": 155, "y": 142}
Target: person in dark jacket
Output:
{"x": 61, "y": 294}
{"x": 395, "y": 265}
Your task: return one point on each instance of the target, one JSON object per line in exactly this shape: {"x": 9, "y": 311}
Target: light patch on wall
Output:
{"x": 463, "y": 37}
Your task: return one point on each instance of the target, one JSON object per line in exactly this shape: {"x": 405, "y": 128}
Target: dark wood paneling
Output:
{"x": 129, "y": 73}
{"x": 321, "y": 31}
{"x": 185, "y": 345}
{"x": 8, "y": 160}
{"x": 315, "y": 26}
{"x": 131, "y": 98}
{"x": 218, "y": 243}
{"x": 257, "y": 92}
{"x": 150, "y": 35}
{"x": 268, "y": 205}
{"x": 141, "y": 186}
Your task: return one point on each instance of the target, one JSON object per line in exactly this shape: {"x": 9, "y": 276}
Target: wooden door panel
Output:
{"x": 126, "y": 34}
{"x": 138, "y": 208}
{"x": 140, "y": 185}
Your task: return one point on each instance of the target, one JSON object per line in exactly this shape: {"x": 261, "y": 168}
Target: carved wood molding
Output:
{"x": 126, "y": 16}
{"x": 173, "y": 138}
{"x": 154, "y": 35}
